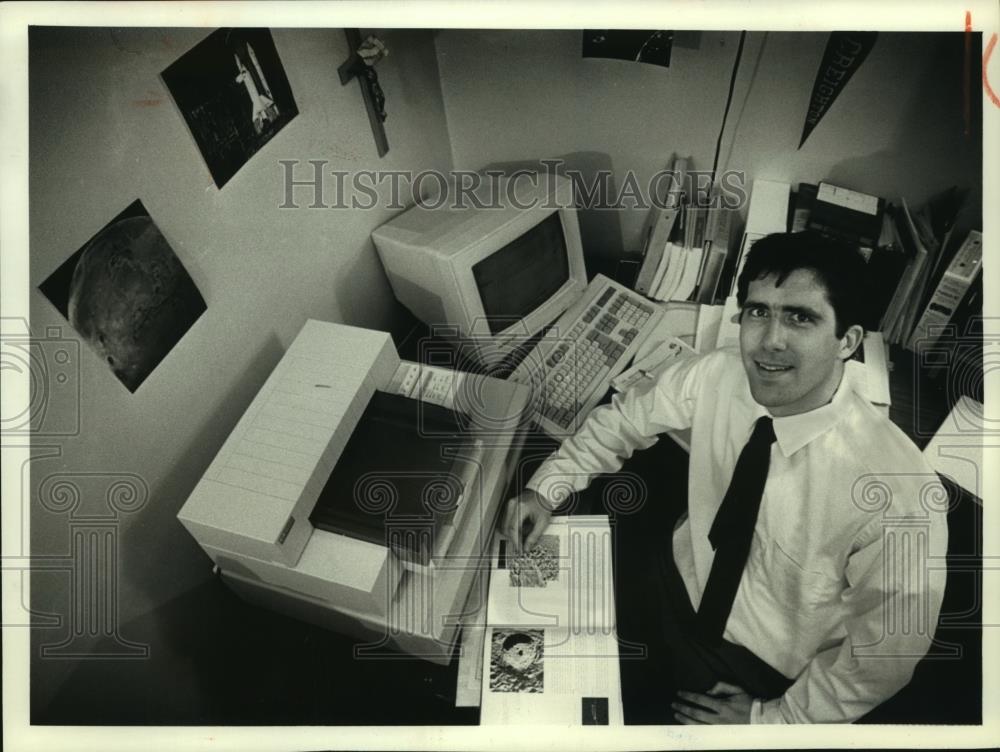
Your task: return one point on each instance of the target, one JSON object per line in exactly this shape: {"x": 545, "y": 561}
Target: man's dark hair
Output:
{"x": 838, "y": 265}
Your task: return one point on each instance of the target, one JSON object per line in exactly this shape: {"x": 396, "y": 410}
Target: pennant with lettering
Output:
{"x": 845, "y": 51}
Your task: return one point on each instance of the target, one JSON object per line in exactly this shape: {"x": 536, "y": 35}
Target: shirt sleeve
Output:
{"x": 612, "y": 432}
{"x": 896, "y": 579}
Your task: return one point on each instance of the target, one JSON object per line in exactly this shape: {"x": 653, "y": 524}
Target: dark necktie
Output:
{"x": 732, "y": 530}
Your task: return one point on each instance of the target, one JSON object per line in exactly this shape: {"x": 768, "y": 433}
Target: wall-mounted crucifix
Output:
{"x": 361, "y": 65}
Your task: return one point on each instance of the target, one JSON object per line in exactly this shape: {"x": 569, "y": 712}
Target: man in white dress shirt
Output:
{"x": 839, "y": 595}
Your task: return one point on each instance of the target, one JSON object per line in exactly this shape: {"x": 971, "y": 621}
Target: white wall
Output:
{"x": 103, "y": 132}
{"x": 895, "y": 130}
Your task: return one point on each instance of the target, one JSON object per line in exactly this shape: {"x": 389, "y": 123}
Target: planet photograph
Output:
{"x": 127, "y": 294}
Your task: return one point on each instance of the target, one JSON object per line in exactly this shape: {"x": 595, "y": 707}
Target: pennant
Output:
{"x": 845, "y": 51}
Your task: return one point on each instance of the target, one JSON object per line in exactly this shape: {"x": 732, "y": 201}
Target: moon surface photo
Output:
{"x": 127, "y": 294}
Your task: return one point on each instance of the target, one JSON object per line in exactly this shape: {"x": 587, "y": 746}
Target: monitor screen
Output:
{"x": 519, "y": 277}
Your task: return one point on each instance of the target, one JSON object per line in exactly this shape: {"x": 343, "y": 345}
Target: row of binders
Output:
{"x": 685, "y": 243}
{"x": 925, "y": 275}
{"x": 938, "y": 279}
{"x": 922, "y": 271}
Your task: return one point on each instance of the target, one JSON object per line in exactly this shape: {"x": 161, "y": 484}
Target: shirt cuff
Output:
{"x": 766, "y": 711}
{"x": 554, "y": 487}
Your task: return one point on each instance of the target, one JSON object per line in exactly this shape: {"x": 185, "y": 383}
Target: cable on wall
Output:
{"x": 729, "y": 101}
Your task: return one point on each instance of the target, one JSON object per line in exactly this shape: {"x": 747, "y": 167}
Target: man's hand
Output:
{"x": 723, "y": 703}
{"x": 527, "y": 514}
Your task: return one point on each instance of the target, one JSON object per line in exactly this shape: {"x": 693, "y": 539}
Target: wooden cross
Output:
{"x": 355, "y": 67}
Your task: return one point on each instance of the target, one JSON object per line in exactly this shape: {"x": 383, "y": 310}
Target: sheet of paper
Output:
{"x": 652, "y": 363}
{"x": 550, "y": 653}
{"x": 550, "y": 676}
{"x": 876, "y": 369}
{"x": 563, "y": 582}
{"x": 679, "y": 320}
{"x": 706, "y": 332}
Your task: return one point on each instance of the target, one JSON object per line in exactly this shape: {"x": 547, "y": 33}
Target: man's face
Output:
{"x": 791, "y": 353}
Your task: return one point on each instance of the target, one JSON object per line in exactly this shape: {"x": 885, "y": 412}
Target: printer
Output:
{"x": 359, "y": 491}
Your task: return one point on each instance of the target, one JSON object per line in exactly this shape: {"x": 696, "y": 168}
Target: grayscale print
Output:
{"x": 308, "y": 307}
{"x": 517, "y": 661}
{"x": 537, "y": 567}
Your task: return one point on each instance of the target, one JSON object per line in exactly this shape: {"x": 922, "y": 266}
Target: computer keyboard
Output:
{"x": 592, "y": 342}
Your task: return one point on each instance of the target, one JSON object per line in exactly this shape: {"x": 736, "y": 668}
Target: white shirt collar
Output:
{"x": 795, "y": 431}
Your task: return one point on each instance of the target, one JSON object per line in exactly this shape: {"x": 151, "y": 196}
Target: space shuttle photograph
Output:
{"x": 233, "y": 93}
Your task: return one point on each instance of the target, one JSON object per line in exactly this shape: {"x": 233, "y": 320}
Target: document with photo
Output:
{"x": 552, "y": 676}
{"x": 550, "y": 653}
{"x": 563, "y": 582}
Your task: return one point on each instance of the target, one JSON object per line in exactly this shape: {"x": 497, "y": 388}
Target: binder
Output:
{"x": 659, "y": 230}
{"x": 716, "y": 253}
{"x": 950, "y": 291}
{"x": 911, "y": 294}
{"x": 650, "y": 265}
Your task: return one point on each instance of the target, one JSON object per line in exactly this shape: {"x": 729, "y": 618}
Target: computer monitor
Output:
{"x": 492, "y": 274}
